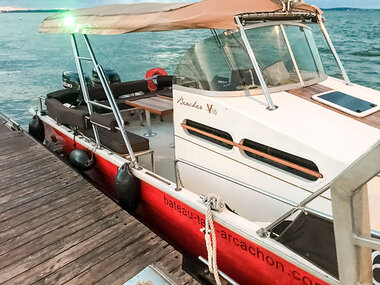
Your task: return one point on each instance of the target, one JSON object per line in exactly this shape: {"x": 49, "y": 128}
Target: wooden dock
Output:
{"x": 56, "y": 228}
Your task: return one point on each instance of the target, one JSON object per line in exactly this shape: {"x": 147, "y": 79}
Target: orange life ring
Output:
{"x": 152, "y": 72}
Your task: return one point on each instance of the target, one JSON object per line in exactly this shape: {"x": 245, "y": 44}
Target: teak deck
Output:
{"x": 56, "y": 228}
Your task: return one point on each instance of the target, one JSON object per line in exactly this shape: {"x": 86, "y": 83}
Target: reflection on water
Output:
{"x": 31, "y": 63}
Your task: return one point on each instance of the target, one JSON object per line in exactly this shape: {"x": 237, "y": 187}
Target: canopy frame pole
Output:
{"x": 292, "y": 54}
{"x": 333, "y": 50}
{"x": 83, "y": 85}
{"x": 111, "y": 100}
{"x": 252, "y": 57}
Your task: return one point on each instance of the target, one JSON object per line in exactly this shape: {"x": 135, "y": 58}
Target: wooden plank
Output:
{"x": 39, "y": 198}
{"x": 35, "y": 215}
{"x": 19, "y": 155}
{"x": 172, "y": 266}
{"x": 9, "y": 173}
{"x": 56, "y": 228}
{"x": 28, "y": 232}
{"x": 113, "y": 262}
{"x": 26, "y": 257}
{"x": 26, "y": 198}
{"x": 23, "y": 177}
{"x": 67, "y": 272}
{"x": 5, "y": 133}
{"x": 28, "y": 185}
{"x": 134, "y": 266}
{"x": 24, "y": 163}
{"x": 67, "y": 256}
{"x": 45, "y": 200}
{"x": 19, "y": 144}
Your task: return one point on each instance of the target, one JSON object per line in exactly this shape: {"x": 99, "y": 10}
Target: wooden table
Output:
{"x": 157, "y": 105}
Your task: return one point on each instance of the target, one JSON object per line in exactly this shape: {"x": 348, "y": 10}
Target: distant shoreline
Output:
{"x": 35, "y": 11}
{"x": 350, "y": 9}
{"x": 21, "y": 10}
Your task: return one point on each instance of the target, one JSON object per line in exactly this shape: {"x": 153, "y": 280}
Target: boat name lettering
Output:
{"x": 209, "y": 107}
{"x": 250, "y": 248}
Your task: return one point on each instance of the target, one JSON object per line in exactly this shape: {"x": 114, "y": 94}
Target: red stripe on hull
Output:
{"x": 179, "y": 224}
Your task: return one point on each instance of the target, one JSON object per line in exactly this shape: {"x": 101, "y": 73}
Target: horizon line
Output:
{"x": 20, "y": 9}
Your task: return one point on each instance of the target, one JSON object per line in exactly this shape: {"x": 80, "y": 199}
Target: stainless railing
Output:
{"x": 111, "y": 99}
{"x": 264, "y": 232}
{"x": 332, "y": 48}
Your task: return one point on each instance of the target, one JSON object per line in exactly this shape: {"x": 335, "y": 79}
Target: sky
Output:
{"x": 48, "y": 4}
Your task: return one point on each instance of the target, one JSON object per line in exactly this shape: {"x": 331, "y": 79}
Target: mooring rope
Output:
{"x": 213, "y": 202}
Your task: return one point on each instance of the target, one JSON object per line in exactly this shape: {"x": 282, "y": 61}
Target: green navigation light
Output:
{"x": 69, "y": 21}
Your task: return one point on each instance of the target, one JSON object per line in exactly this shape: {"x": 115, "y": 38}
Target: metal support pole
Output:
{"x": 150, "y": 133}
{"x": 351, "y": 225}
{"x": 292, "y": 54}
{"x": 252, "y": 57}
{"x": 177, "y": 178}
{"x": 40, "y": 104}
{"x": 335, "y": 54}
{"x": 112, "y": 102}
{"x": 83, "y": 85}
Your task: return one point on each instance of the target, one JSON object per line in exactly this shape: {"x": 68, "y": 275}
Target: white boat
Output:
{"x": 251, "y": 119}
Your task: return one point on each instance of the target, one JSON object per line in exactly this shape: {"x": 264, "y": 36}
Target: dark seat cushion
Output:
{"x": 166, "y": 92}
{"x": 114, "y": 141}
{"x": 120, "y": 102}
{"x": 108, "y": 120}
{"x": 118, "y": 89}
{"x": 65, "y": 96}
{"x": 164, "y": 81}
{"x": 65, "y": 115}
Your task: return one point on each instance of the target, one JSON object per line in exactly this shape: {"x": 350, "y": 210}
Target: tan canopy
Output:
{"x": 149, "y": 17}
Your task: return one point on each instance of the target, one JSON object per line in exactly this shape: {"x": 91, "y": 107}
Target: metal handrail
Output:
{"x": 111, "y": 100}
{"x": 228, "y": 178}
{"x": 113, "y": 106}
{"x": 83, "y": 84}
{"x": 263, "y": 232}
{"x": 100, "y": 105}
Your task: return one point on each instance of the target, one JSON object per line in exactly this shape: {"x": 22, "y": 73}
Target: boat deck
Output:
{"x": 56, "y": 228}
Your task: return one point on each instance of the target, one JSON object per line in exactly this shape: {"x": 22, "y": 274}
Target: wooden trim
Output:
{"x": 306, "y": 93}
{"x": 257, "y": 152}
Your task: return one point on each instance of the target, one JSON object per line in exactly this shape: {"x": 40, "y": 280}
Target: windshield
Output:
{"x": 221, "y": 62}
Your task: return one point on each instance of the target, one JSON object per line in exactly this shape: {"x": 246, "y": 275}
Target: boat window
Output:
{"x": 305, "y": 52}
{"x": 221, "y": 62}
{"x": 347, "y": 103}
{"x": 305, "y": 163}
{"x": 210, "y": 131}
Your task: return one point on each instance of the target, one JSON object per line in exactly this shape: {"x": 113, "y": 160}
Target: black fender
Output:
{"x": 128, "y": 189}
{"x": 36, "y": 128}
{"x": 80, "y": 160}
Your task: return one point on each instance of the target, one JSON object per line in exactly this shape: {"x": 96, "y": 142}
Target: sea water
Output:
{"x": 31, "y": 64}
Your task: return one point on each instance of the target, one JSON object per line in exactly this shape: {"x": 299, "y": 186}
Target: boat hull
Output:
{"x": 180, "y": 225}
